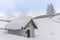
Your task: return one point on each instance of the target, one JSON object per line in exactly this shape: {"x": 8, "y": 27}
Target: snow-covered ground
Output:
{"x": 48, "y": 29}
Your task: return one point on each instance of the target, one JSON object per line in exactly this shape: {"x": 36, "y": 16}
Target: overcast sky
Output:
{"x": 27, "y": 5}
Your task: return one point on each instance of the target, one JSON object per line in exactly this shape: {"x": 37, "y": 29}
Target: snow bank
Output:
{"x": 48, "y": 29}
{"x": 18, "y": 23}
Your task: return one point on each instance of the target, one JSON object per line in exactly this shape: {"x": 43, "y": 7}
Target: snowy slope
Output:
{"x": 18, "y": 23}
{"x": 48, "y": 29}
{"x": 2, "y": 24}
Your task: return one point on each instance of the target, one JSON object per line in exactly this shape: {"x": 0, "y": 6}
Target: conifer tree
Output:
{"x": 50, "y": 10}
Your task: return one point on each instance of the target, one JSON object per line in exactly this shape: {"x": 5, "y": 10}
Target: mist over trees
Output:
{"x": 50, "y": 10}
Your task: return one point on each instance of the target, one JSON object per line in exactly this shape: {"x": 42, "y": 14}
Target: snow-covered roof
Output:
{"x": 18, "y": 23}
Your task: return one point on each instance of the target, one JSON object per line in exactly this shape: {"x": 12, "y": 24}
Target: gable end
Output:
{"x": 31, "y": 21}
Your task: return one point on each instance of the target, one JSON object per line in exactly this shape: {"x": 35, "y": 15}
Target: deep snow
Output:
{"x": 18, "y": 23}
{"x": 48, "y": 29}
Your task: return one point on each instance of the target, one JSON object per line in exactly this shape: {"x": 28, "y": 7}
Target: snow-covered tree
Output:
{"x": 50, "y": 10}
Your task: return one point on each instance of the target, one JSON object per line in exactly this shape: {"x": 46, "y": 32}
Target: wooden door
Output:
{"x": 28, "y": 33}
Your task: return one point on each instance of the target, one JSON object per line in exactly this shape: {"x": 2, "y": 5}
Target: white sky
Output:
{"x": 26, "y": 6}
